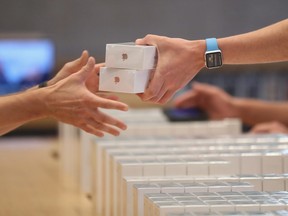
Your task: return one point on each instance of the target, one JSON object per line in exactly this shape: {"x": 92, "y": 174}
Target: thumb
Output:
{"x": 77, "y": 64}
{"x": 148, "y": 40}
{"x": 87, "y": 69}
{"x": 80, "y": 62}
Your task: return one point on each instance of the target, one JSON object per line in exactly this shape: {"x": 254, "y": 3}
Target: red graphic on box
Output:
{"x": 124, "y": 56}
{"x": 116, "y": 80}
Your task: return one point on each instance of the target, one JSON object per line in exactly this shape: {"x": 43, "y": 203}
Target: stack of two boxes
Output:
{"x": 128, "y": 68}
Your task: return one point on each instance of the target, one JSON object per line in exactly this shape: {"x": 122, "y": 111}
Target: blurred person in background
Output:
{"x": 263, "y": 116}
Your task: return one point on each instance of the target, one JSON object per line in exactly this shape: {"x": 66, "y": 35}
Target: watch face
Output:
{"x": 213, "y": 59}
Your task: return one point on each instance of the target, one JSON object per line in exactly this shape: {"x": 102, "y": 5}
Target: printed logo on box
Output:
{"x": 116, "y": 80}
{"x": 124, "y": 56}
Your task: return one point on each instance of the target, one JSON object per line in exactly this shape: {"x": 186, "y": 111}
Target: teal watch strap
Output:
{"x": 211, "y": 44}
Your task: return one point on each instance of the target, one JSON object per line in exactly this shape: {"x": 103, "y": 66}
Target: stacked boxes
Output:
{"x": 204, "y": 167}
{"x": 136, "y": 186}
{"x": 235, "y": 213}
{"x": 207, "y": 202}
{"x": 128, "y": 68}
{"x": 167, "y": 157}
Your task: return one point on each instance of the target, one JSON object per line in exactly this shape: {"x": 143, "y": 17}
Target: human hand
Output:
{"x": 211, "y": 99}
{"x": 179, "y": 61}
{"x": 70, "y": 101}
{"x": 92, "y": 81}
{"x": 70, "y": 68}
{"x": 270, "y": 127}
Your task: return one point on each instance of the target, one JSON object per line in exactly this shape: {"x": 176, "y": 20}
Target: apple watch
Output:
{"x": 213, "y": 55}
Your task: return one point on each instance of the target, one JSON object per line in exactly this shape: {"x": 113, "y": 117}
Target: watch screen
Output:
{"x": 213, "y": 59}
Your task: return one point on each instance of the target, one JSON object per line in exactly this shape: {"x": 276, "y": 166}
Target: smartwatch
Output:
{"x": 213, "y": 55}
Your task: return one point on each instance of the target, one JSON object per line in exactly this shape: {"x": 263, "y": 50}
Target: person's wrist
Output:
{"x": 36, "y": 102}
{"x": 197, "y": 48}
{"x": 236, "y": 107}
{"x": 46, "y": 99}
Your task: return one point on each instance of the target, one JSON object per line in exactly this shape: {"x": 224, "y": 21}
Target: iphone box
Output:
{"x": 123, "y": 80}
{"x": 130, "y": 56}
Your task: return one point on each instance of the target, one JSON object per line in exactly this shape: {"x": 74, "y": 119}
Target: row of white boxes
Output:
{"x": 165, "y": 203}
{"x": 143, "y": 124}
{"x": 107, "y": 174}
{"x": 234, "y": 213}
{"x": 75, "y": 146}
{"x": 140, "y": 190}
{"x": 134, "y": 188}
{"x": 155, "y": 148}
{"x": 158, "y": 162}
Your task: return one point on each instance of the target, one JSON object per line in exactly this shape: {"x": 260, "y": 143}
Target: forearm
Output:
{"x": 20, "y": 108}
{"x": 256, "y": 111}
{"x": 269, "y": 44}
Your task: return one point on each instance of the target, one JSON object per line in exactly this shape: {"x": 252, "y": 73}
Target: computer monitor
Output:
{"x": 25, "y": 62}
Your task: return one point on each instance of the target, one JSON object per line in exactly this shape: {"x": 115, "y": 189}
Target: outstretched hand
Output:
{"x": 72, "y": 99}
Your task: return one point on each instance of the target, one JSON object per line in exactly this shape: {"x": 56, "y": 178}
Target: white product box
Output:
{"x": 123, "y": 80}
{"x": 251, "y": 163}
{"x": 195, "y": 187}
{"x": 272, "y": 163}
{"x": 217, "y": 186}
{"x": 138, "y": 196}
{"x": 246, "y": 205}
{"x": 163, "y": 208}
{"x": 270, "y": 205}
{"x": 175, "y": 167}
{"x": 129, "y": 55}
{"x": 223, "y": 206}
{"x": 273, "y": 183}
{"x": 253, "y": 180}
{"x": 195, "y": 206}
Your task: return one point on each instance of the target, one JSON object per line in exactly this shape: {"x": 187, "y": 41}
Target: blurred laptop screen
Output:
{"x": 24, "y": 63}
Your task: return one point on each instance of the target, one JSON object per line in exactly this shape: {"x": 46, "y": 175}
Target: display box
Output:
{"x": 131, "y": 56}
{"x": 123, "y": 80}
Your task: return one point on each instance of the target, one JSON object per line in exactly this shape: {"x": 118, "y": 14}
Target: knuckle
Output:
{"x": 68, "y": 65}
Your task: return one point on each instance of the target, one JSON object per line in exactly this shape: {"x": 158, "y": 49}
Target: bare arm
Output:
{"x": 68, "y": 69}
{"x": 269, "y": 44}
{"x": 20, "y": 108}
{"x": 69, "y": 100}
{"x": 218, "y": 105}
{"x": 256, "y": 111}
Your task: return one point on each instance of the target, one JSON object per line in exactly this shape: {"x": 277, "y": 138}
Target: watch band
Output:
{"x": 211, "y": 44}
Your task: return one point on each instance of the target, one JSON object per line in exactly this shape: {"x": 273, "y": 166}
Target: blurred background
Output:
{"x": 61, "y": 30}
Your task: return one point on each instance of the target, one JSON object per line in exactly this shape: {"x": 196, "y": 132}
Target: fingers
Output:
{"x": 91, "y": 130}
{"x": 101, "y": 127}
{"x": 269, "y": 127}
{"x": 185, "y": 100}
{"x": 110, "y": 97}
{"x": 77, "y": 64}
{"x": 109, "y": 120}
{"x": 99, "y": 122}
{"x": 149, "y": 39}
{"x": 260, "y": 128}
{"x": 89, "y": 67}
{"x": 153, "y": 89}
{"x": 106, "y": 103}
{"x": 166, "y": 97}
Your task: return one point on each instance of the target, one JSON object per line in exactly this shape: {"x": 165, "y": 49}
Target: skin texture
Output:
{"x": 70, "y": 97}
{"x": 179, "y": 60}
